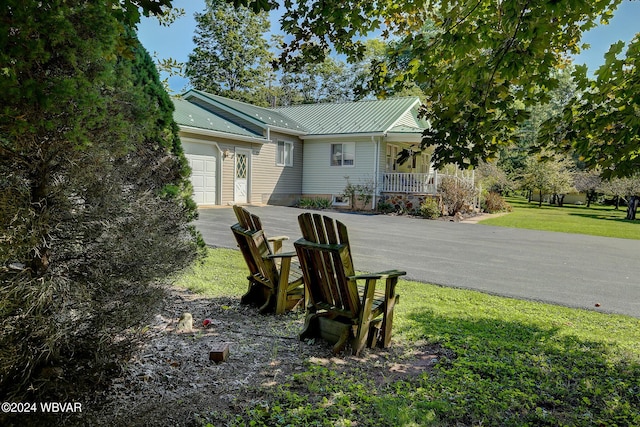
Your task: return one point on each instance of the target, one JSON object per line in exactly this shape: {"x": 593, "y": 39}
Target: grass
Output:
{"x": 506, "y": 362}
{"x": 596, "y": 220}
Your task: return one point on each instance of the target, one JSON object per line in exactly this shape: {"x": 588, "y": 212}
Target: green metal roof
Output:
{"x": 372, "y": 116}
{"x": 266, "y": 116}
{"x": 189, "y": 114}
{"x": 207, "y": 111}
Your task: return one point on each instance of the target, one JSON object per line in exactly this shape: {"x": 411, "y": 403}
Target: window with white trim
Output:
{"x": 284, "y": 153}
{"x": 343, "y": 154}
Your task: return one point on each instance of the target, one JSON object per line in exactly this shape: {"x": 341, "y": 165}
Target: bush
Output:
{"x": 314, "y": 203}
{"x": 362, "y": 192}
{"x": 493, "y": 202}
{"x": 430, "y": 208}
{"x": 456, "y": 194}
{"x": 385, "y": 207}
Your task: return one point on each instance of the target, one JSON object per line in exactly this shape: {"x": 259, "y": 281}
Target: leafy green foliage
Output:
{"x": 548, "y": 174}
{"x": 361, "y": 192}
{"x": 314, "y": 203}
{"x": 602, "y": 124}
{"x": 328, "y": 81}
{"x": 94, "y": 198}
{"x": 430, "y": 208}
{"x": 473, "y": 59}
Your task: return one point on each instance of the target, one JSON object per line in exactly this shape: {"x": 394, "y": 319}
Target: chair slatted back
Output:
{"x": 254, "y": 245}
{"x": 325, "y": 258}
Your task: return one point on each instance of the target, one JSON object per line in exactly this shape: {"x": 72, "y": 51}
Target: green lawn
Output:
{"x": 596, "y": 220}
{"x": 504, "y": 362}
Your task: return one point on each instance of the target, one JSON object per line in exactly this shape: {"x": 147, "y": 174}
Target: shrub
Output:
{"x": 314, "y": 203}
{"x": 362, "y": 192}
{"x": 385, "y": 207}
{"x": 456, "y": 194}
{"x": 430, "y": 208}
{"x": 493, "y": 202}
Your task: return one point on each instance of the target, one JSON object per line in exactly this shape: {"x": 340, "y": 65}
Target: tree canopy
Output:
{"x": 232, "y": 56}
{"x": 473, "y": 58}
{"x": 602, "y": 124}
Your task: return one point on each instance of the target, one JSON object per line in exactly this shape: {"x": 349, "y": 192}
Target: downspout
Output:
{"x": 376, "y": 170}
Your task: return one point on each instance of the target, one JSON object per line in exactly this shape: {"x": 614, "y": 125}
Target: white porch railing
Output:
{"x": 422, "y": 183}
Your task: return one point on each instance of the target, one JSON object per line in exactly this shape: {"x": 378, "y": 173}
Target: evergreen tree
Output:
{"x": 94, "y": 194}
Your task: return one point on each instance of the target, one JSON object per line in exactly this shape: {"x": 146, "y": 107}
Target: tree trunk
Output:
{"x": 632, "y": 207}
{"x": 617, "y": 202}
{"x": 560, "y": 199}
{"x": 540, "y": 201}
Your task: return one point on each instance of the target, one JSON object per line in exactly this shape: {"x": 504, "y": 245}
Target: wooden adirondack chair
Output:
{"x": 274, "y": 281}
{"x": 340, "y": 311}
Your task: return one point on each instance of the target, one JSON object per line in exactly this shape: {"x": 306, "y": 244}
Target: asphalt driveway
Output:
{"x": 567, "y": 269}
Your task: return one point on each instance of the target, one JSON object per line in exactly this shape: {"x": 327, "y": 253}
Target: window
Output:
{"x": 284, "y": 153}
{"x": 392, "y": 156}
{"x": 343, "y": 154}
{"x": 426, "y": 165}
{"x": 340, "y": 201}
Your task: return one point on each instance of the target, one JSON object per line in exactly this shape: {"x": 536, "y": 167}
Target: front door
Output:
{"x": 242, "y": 174}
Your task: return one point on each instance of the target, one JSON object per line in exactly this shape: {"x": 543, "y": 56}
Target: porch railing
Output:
{"x": 422, "y": 183}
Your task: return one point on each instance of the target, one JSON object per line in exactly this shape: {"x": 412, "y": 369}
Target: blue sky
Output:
{"x": 176, "y": 41}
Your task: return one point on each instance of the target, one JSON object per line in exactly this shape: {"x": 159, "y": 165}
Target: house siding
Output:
{"x": 274, "y": 184}
{"x": 322, "y": 178}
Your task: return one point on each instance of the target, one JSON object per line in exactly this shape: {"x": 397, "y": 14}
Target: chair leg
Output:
{"x": 311, "y": 326}
{"x": 387, "y": 317}
{"x": 342, "y": 341}
{"x": 281, "y": 292}
{"x": 252, "y": 296}
{"x": 266, "y": 307}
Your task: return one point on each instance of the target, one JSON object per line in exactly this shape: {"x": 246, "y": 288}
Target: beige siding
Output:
{"x": 272, "y": 183}
{"x": 269, "y": 183}
{"x": 322, "y": 178}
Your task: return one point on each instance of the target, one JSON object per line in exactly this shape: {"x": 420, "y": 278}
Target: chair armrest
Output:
{"x": 382, "y": 275}
{"x": 276, "y": 242}
{"x": 282, "y": 255}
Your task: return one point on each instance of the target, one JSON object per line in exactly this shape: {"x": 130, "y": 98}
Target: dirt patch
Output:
{"x": 170, "y": 379}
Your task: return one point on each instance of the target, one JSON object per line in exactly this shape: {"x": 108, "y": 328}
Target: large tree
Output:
{"x": 473, "y": 58}
{"x": 328, "y": 81}
{"x": 232, "y": 56}
{"x": 94, "y": 191}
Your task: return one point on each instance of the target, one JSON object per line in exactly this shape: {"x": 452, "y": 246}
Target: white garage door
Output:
{"x": 203, "y": 178}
